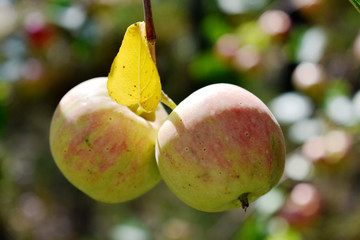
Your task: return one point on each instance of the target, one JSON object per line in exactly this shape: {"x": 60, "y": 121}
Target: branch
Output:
{"x": 150, "y": 29}
{"x": 151, "y": 37}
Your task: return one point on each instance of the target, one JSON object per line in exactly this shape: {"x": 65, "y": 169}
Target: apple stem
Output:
{"x": 244, "y": 201}
{"x": 151, "y": 38}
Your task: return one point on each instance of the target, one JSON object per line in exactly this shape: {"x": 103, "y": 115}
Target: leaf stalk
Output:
{"x": 167, "y": 101}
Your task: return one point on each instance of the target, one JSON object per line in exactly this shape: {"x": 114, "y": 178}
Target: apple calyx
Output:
{"x": 244, "y": 200}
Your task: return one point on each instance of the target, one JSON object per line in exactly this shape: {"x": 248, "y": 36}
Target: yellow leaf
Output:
{"x": 133, "y": 77}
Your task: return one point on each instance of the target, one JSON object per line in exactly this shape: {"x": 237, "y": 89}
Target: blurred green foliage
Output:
{"x": 356, "y": 4}
{"x": 302, "y": 58}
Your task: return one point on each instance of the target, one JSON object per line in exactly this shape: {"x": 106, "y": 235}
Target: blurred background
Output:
{"x": 301, "y": 57}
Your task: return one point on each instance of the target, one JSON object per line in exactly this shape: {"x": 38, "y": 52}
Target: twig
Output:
{"x": 150, "y": 29}
{"x": 151, "y": 37}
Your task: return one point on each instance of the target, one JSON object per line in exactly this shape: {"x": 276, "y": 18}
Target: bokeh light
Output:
{"x": 240, "y": 6}
{"x": 298, "y": 167}
{"x": 275, "y": 22}
{"x": 312, "y": 45}
{"x": 302, "y": 130}
{"x": 340, "y": 110}
{"x": 291, "y": 107}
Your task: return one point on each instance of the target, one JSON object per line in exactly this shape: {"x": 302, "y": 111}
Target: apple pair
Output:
{"x": 219, "y": 149}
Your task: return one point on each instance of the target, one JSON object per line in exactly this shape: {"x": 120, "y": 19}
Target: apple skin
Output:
{"x": 221, "y": 148}
{"x": 103, "y": 148}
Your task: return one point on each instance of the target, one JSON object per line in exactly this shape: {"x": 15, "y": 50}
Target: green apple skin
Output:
{"x": 221, "y": 148}
{"x": 103, "y": 148}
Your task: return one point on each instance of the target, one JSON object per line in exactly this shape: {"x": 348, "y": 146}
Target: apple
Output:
{"x": 221, "y": 148}
{"x": 39, "y": 32}
{"x": 303, "y": 206}
{"x": 331, "y": 148}
{"x": 103, "y": 148}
